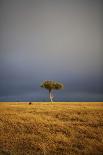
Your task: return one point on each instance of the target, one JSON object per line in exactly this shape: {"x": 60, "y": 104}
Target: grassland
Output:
{"x": 51, "y": 128}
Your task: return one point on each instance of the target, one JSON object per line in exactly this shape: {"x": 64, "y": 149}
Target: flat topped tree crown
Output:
{"x": 52, "y": 85}
{"x": 48, "y": 84}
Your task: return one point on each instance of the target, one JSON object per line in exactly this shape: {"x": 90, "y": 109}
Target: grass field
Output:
{"x": 59, "y": 128}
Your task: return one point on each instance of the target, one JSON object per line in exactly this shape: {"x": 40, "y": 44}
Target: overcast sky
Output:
{"x": 51, "y": 40}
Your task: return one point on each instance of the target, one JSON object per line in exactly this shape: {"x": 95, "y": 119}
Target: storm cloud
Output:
{"x": 51, "y": 40}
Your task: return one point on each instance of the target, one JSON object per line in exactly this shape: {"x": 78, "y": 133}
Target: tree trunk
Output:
{"x": 50, "y": 96}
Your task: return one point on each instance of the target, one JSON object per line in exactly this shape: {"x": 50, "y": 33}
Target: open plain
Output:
{"x": 58, "y": 128}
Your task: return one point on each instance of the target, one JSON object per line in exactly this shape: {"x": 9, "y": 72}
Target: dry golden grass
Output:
{"x": 63, "y": 128}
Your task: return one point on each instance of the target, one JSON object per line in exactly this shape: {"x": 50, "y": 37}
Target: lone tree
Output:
{"x": 49, "y": 85}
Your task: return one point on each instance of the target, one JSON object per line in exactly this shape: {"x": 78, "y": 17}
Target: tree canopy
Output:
{"x": 48, "y": 84}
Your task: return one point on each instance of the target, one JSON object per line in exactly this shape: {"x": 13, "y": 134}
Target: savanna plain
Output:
{"x": 58, "y": 128}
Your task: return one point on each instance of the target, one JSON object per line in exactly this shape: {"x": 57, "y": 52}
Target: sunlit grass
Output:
{"x": 44, "y": 128}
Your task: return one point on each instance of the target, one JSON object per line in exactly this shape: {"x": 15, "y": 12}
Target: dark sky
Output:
{"x": 51, "y": 40}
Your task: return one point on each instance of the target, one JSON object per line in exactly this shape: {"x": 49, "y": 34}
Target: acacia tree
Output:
{"x": 49, "y": 85}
